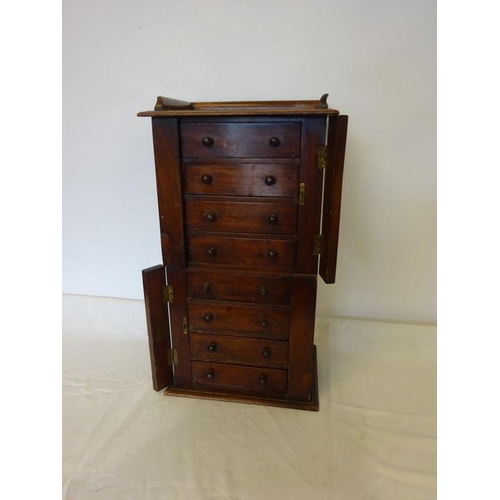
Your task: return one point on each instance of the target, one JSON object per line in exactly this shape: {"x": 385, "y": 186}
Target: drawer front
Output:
{"x": 240, "y": 288}
{"x": 241, "y": 217}
{"x": 239, "y": 350}
{"x": 240, "y": 140}
{"x": 263, "y": 379}
{"x": 229, "y": 317}
{"x": 267, "y": 253}
{"x": 242, "y": 179}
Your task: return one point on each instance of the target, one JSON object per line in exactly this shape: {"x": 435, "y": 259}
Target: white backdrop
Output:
{"x": 375, "y": 59}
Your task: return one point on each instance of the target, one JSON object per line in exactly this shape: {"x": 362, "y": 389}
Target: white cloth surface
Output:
{"x": 373, "y": 438}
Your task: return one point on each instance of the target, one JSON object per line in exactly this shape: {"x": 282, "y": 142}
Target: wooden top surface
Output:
{"x": 166, "y": 106}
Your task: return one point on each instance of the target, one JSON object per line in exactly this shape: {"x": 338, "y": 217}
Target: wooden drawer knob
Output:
{"x": 207, "y": 286}
{"x": 269, "y": 180}
{"x": 272, "y": 254}
{"x": 212, "y": 252}
{"x": 208, "y": 317}
{"x": 210, "y": 374}
{"x": 208, "y": 142}
{"x": 274, "y": 142}
{"x": 263, "y": 380}
{"x": 212, "y": 347}
{"x": 273, "y": 220}
{"x": 210, "y": 217}
{"x": 206, "y": 178}
{"x": 264, "y": 323}
{"x": 266, "y": 353}
{"x": 264, "y": 292}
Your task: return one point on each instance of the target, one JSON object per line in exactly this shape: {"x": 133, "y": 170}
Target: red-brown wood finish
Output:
{"x": 313, "y": 135}
{"x": 228, "y": 285}
{"x": 153, "y": 280}
{"x": 270, "y": 321}
{"x": 169, "y": 191}
{"x": 242, "y": 215}
{"x": 240, "y": 140}
{"x": 239, "y": 350}
{"x": 242, "y": 179}
{"x": 178, "y": 319}
{"x": 239, "y": 194}
{"x": 337, "y": 134}
{"x": 263, "y": 379}
{"x": 301, "y": 337}
{"x": 239, "y": 251}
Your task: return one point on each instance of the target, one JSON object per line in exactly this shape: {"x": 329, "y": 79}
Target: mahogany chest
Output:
{"x": 249, "y": 205}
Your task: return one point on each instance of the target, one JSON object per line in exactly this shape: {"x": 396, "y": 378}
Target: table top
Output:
{"x": 166, "y": 106}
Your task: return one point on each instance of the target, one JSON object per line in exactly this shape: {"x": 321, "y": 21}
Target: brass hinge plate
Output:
{"x": 168, "y": 294}
{"x": 172, "y": 357}
{"x": 317, "y": 243}
{"x": 322, "y": 156}
{"x": 302, "y": 193}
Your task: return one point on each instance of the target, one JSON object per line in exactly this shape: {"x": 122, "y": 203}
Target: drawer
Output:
{"x": 240, "y": 288}
{"x": 231, "y": 317}
{"x": 263, "y": 379}
{"x": 267, "y": 253}
{"x": 216, "y": 215}
{"x": 238, "y": 350}
{"x": 240, "y": 140}
{"x": 242, "y": 179}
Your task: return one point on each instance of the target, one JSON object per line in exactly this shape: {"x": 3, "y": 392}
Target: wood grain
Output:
{"x": 240, "y": 140}
{"x": 248, "y": 318}
{"x": 242, "y": 179}
{"x": 337, "y": 134}
{"x": 241, "y": 251}
{"x": 168, "y": 180}
{"x": 247, "y": 216}
{"x": 301, "y": 337}
{"x": 240, "y": 376}
{"x": 237, "y": 350}
{"x": 205, "y": 284}
{"x": 313, "y": 135}
{"x": 178, "y": 311}
{"x": 153, "y": 280}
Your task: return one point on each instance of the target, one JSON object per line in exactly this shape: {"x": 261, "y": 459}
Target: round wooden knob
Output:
{"x": 266, "y": 353}
{"x": 272, "y": 254}
{"x": 206, "y": 178}
{"x": 208, "y": 317}
{"x": 207, "y": 286}
{"x": 211, "y": 252}
{"x": 269, "y": 180}
{"x": 211, "y": 217}
{"x": 212, "y": 347}
{"x": 263, "y": 380}
{"x": 208, "y": 142}
{"x": 273, "y": 220}
{"x": 274, "y": 142}
{"x": 264, "y": 292}
{"x": 210, "y": 374}
{"x": 264, "y": 322}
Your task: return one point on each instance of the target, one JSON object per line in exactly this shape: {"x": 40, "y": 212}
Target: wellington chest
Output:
{"x": 249, "y": 206}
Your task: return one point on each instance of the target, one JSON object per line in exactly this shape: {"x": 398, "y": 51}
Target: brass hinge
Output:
{"x": 322, "y": 156}
{"x": 317, "y": 243}
{"x": 172, "y": 357}
{"x": 168, "y": 294}
{"x": 184, "y": 325}
{"x": 302, "y": 193}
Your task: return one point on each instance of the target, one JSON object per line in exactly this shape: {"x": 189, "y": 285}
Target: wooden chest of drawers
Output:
{"x": 241, "y": 189}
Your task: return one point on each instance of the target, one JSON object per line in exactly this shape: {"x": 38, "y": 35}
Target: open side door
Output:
{"x": 160, "y": 348}
{"x": 337, "y": 133}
